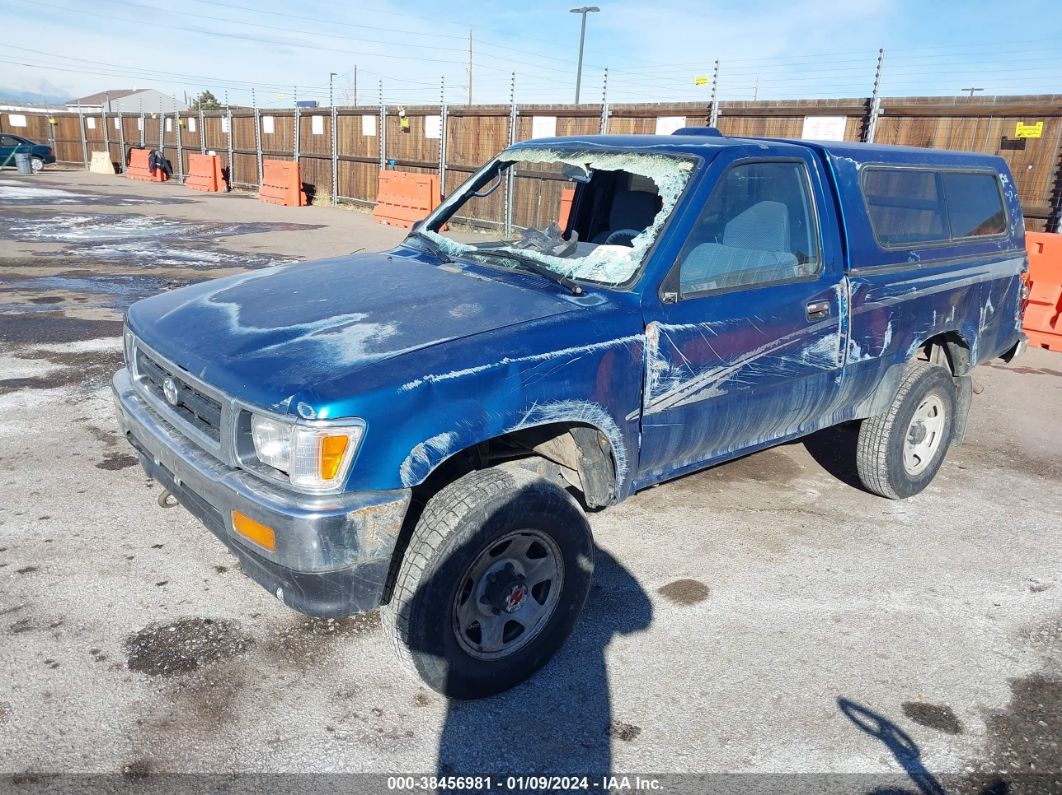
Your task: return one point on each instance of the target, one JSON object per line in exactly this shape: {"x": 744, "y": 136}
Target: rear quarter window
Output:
{"x": 910, "y": 207}
{"x": 975, "y": 206}
{"x": 906, "y": 206}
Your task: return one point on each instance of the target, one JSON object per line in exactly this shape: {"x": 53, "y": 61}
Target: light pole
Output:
{"x": 331, "y": 78}
{"x": 584, "y": 10}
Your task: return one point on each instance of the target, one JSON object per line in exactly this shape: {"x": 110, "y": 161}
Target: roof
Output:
{"x": 104, "y": 96}
{"x": 700, "y": 143}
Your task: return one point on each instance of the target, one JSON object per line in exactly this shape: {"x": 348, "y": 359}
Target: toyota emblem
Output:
{"x": 171, "y": 391}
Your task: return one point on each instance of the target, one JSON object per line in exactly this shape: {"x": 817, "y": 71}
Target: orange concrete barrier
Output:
{"x": 1043, "y": 323}
{"x": 204, "y": 173}
{"x": 138, "y": 167}
{"x": 281, "y": 183}
{"x": 403, "y": 198}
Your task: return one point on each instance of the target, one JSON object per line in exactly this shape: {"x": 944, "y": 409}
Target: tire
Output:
{"x": 37, "y": 165}
{"x": 478, "y": 521}
{"x": 883, "y": 466}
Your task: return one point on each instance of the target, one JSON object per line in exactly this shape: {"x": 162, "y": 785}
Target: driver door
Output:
{"x": 744, "y": 340}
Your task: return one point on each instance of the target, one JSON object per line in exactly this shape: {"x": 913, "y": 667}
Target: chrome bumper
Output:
{"x": 331, "y": 543}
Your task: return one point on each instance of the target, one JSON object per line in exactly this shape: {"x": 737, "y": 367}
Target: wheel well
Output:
{"x": 948, "y": 349}
{"x": 570, "y": 453}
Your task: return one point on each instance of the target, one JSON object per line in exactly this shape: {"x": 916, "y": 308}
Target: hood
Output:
{"x": 269, "y": 335}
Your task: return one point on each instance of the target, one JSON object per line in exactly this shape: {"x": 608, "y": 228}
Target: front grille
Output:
{"x": 201, "y": 411}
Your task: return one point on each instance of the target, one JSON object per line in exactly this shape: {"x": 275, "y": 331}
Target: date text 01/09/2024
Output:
{"x": 523, "y": 783}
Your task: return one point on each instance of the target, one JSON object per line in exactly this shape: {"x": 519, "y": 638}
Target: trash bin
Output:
{"x": 22, "y": 163}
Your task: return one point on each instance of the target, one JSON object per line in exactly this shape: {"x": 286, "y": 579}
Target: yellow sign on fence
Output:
{"x": 1023, "y": 130}
{"x": 700, "y": 80}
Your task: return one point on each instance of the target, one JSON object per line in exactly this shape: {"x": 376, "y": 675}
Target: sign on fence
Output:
{"x": 665, "y": 125}
{"x": 368, "y": 125}
{"x": 824, "y": 128}
{"x": 543, "y": 126}
{"x": 432, "y": 126}
{"x": 1023, "y": 130}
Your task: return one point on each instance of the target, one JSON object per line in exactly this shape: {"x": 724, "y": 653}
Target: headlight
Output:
{"x": 313, "y": 458}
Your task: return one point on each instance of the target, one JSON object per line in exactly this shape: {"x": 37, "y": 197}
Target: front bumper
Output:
{"x": 333, "y": 552}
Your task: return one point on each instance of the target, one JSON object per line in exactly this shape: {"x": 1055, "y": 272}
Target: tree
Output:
{"x": 205, "y": 101}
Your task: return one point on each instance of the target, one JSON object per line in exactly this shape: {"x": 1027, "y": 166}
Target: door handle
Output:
{"x": 817, "y": 310}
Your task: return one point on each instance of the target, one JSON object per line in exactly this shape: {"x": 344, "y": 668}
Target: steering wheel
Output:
{"x": 630, "y": 234}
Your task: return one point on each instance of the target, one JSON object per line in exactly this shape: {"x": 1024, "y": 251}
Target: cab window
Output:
{"x": 758, "y": 227}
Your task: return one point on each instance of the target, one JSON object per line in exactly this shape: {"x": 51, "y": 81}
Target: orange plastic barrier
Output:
{"x": 204, "y": 173}
{"x": 567, "y": 197}
{"x": 1043, "y": 315}
{"x": 138, "y": 167}
{"x": 403, "y": 198}
{"x": 281, "y": 183}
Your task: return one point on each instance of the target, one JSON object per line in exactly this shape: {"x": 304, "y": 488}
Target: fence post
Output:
{"x": 1054, "y": 216}
{"x": 870, "y": 128}
{"x": 84, "y": 140}
{"x": 202, "y": 132}
{"x": 383, "y": 130}
{"x": 298, "y": 132}
{"x": 106, "y": 134}
{"x": 232, "y": 161}
{"x": 121, "y": 137}
{"x": 162, "y": 131}
{"x": 257, "y": 136}
{"x": 605, "y": 112}
{"x": 143, "y": 124}
{"x": 713, "y": 116}
{"x": 335, "y": 156}
{"x": 180, "y": 144}
{"x": 442, "y": 137}
{"x": 507, "y": 224}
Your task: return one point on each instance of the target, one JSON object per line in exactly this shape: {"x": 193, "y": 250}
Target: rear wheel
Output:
{"x": 37, "y": 164}
{"x": 494, "y": 578}
{"x": 899, "y": 452}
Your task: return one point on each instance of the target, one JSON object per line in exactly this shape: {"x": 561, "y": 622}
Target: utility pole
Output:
{"x": 972, "y": 90}
{"x": 713, "y": 113}
{"x": 470, "y": 66}
{"x": 871, "y": 128}
{"x": 584, "y": 10}
{"x": 331, "y": 81}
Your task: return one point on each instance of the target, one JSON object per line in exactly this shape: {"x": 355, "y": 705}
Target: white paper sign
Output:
{"x": 543, "y": 126}
{"x": 191, "y": 124}
{"x": 169, "y": 125}
{"x": 117, "y": 123}
{"x": 17, "y": 119}
{"x": 824, "y": 128}
{"x": 225, "y": 124}
{"x": 368, "y": 125}
{"x": 665, "y": 125}
{"x": 140, "y": 122}
{"x": 267, "y": 125}
{"x": 317, "y": 125}
{"x": 432, "y": 126}
{"x": 90, "y": 122}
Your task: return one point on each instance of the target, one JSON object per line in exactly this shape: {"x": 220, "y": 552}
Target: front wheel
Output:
{"x": 496, "y": 573}
{"x": 900, "y": 451}
{"x": 36, "y": 164}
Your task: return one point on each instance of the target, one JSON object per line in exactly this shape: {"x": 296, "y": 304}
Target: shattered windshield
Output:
{"x": 583, "y": 214}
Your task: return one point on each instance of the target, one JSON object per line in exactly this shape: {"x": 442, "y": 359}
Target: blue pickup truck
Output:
{"x": 425, "y": 428}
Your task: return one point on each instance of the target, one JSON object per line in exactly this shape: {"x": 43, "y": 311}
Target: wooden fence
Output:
{"x": 341, "y": 150}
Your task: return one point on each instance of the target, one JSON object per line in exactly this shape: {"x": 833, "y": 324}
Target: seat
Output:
{"x": 755, "y": 249}
{"x": 631, "y": 209}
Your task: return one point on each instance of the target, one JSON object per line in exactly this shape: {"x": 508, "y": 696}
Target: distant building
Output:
{"x": 128, "y": 100}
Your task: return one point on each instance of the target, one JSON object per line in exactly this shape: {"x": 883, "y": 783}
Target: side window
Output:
{"x": 758, "y": 227}
{"x": 905, "y": 206}
{"x": 975, "y": 207}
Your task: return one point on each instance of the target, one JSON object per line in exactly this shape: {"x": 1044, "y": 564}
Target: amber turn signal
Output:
{"x": 257, "y": 532}
{"x": 332, "y": 450}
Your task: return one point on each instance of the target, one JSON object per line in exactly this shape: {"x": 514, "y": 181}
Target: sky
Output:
{"x": 417, "y": 52}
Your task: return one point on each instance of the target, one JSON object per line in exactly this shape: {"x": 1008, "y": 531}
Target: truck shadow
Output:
{"x": 561, "y": 720}
{"x": 834, "y": 449}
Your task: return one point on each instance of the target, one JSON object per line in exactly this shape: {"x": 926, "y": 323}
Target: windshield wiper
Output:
{"x": 433, "y": 246}
{"x": 531, "y": 265}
